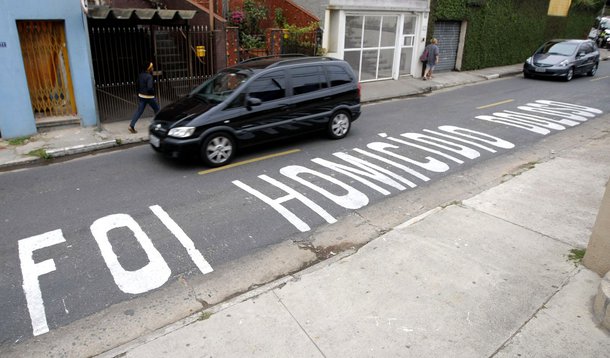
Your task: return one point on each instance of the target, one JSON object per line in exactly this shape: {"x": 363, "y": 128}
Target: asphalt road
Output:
{"x": 80, "y": 236}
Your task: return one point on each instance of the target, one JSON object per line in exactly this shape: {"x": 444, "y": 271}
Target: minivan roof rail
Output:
{"x": 295, "y": 60}
{"x": 286, "y": 55}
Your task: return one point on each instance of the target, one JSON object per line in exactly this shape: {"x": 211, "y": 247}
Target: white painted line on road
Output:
{"x": 248, "y": 161}
{"x": 496, "y": 104}
{"x": 599, "y": 78}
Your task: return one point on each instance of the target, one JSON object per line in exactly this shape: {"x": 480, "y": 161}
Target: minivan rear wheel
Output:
{"x": 218, "y": 149}
{"x": 339, "y": 125}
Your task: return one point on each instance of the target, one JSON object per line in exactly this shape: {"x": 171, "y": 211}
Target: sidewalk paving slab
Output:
{"x": 562, "y": 328}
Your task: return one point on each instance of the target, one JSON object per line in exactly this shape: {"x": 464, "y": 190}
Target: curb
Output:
{"x": 21, "y": 162}
{"x": 70, "y": 151}
{"x": 123, "y": 349}
{"x": 441, "y": 86}
{"x": 82, "y": 148}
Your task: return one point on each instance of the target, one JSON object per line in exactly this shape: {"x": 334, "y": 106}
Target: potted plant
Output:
{"x": 251, "y": 38}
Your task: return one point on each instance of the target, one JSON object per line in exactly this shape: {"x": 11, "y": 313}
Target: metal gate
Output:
{"x": 448, "y": 35}
{"x": 47, "y": 68}
{"x": 182, "y": 55}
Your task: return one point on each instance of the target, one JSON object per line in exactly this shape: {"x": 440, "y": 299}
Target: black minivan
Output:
{"x": 259, "y": 100}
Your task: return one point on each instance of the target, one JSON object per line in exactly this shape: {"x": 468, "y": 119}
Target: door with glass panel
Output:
{"x": 406, "y": 44}
{"x": 370, "y": 45}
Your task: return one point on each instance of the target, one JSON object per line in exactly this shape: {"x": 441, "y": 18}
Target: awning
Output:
{"x": 102, "y": 13}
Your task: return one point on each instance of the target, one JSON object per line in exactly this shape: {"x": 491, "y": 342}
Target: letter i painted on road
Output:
{"x": 186, "y": 241}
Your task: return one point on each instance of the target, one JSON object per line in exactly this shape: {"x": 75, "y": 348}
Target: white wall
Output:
{"x": 385, "y": 5}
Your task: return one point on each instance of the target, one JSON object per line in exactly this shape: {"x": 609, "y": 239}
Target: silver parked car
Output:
{"x": 563, "y": 59}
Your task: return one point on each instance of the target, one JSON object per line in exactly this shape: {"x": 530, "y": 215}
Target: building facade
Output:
{"x": 46, "y": 66}
{"x": 380, "y": 40}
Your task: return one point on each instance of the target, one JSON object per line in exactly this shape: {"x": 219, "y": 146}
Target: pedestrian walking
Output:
{"x": 433, "y": 58}
{"x": 146, "y": 95}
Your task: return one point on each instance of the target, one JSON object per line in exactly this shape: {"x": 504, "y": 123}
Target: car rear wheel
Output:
{"x": 569, "y": 75}
{"x": 593, "y": 70}
{"x": 218, "y": 149}
{"x": 339, "y": 125}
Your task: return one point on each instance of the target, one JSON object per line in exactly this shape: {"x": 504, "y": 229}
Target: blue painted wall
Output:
{"x": 16, "y": 115}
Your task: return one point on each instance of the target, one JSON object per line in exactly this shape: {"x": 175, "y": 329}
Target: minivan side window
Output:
{"x": 269, "y": 87}
{"x": 308, "y": 79}
{"x": 338, "y": 76}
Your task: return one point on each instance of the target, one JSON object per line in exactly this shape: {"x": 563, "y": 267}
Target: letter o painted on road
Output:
{"x": 151, "y": 276}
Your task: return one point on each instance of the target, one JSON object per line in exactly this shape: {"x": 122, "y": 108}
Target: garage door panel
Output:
{"x": 448, "y": 35}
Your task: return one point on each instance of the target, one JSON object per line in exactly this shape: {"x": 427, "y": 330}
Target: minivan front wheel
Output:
{"x": 218, "y": 149}
{"x": 339, "y": 125}
{"x": 593, "y": 70}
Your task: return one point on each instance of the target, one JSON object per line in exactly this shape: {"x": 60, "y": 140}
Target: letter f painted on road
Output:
{"x": 32, "y": 270}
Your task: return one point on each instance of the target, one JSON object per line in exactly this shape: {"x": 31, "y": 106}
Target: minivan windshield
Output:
{"x": 221, "y": 86}
{"x": 558, "y": 48}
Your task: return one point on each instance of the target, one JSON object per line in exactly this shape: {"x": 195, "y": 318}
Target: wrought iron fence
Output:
{"x": 182, "y": 55}
{"x": 306, "y": 43}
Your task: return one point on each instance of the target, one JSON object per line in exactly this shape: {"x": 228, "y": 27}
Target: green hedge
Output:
{"x": 505, "y": 32}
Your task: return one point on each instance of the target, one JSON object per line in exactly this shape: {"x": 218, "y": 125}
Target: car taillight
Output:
{"x": 359, "y": 89}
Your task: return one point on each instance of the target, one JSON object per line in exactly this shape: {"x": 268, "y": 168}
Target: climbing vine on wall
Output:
{"x": 505, "y": 32}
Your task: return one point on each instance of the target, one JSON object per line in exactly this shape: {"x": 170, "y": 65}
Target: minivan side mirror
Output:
{"x": 252, "y": 102}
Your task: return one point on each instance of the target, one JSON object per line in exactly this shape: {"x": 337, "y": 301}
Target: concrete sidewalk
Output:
{"x": 487, "y": 277}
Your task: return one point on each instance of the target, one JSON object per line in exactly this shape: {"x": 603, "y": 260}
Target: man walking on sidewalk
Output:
{"x": 146, "y": 95}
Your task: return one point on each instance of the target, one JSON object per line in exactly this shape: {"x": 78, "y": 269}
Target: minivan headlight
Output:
{"x": 564, "y": 63}
{"x": 181, "y": 132}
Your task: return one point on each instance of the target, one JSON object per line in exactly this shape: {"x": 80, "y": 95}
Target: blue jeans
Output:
{"x": 142, "y": 102}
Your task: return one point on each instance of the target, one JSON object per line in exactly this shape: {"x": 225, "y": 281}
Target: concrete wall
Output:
{"x": 17, "y": 117}
{"x": 597, "y": 257}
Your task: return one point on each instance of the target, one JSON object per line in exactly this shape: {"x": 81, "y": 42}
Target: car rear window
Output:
{"x": 308, "y": 79}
